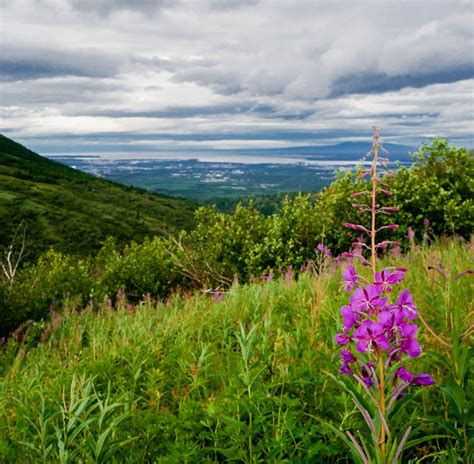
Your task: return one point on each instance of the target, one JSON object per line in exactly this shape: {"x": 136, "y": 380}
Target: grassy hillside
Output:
{"x": 245, "y": 379}
{"x": 74, "y": 211}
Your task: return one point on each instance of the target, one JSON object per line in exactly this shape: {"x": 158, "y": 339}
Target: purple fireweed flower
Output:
{"x": 350, "y": 277}
{"x": 410, "y": 234}
{"x": 267, "y": 277}
{"x": 389, "y": 226}
{"x": 347, "y": 358}
{"x": 426, "y": 222}
{"x": 218, "y": 295}
{"x": 345, "y": 369}
{"x": 348, "y": 255}
{"x": 356, "y": 227}
{"x": 391, "y": 321}
{"x": 411, "y": 347}
{"x": 419, "y": 379}
{"x": 408, "y": 343}
{"x": 289, "y": 272}
{"x": 385, "y": 279}
{"x": 342, "y": 339}
{"x": 395, "y": 250}
{"x": 370, "y": 335}
{"x": 466, "y": 272}
{"x": 366, "y": 374}
{"x": 423, "y": 380}
{"x": 406, "y": 305}
{"x": 404, "y": 375}
{"x": 324, "y": 249}
{"x": 368, "y": 299}
{"x": 349, "y": 317}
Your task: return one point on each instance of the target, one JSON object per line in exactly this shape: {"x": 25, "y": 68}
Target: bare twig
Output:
{"x": 12, "y": 256}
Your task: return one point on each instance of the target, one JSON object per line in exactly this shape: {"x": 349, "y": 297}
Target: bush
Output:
{"x": 440, "y": 188}
{"x": 245, "y": 244}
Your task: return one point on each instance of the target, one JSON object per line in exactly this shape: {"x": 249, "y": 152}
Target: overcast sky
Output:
{"x": 145, "y": 75}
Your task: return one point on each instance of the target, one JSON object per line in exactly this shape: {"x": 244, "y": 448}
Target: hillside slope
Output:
{"x": 74, "y": 211}
{"x": 251, "y": 384}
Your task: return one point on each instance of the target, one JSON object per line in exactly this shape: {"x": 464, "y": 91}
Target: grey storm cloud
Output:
{"x": 59, "y": 91}
{"x": 107, "y": 7}
{"x": 231, "y": 4}
{"x": 177, "y": 112}
{"x": 36, "y": 63}
{"x": 381, "y": 82}
{"x": 232, "y": 66}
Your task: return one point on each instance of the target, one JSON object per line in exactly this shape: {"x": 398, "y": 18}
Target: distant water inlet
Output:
{"x": 213, "y": 176}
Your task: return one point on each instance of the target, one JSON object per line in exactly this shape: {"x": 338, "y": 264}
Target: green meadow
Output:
{"x": 251, "y": 378}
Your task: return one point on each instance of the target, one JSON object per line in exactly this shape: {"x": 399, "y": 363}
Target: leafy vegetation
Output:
{"x": 244, "y": 379}
{"x": 217, "y": 343}
{"x": 75, "y": 212}
{"x": 242, "y": 246}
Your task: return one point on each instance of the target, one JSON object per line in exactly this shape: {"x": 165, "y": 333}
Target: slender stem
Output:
{"x": 374, "y": 191}
{"x": 373, "y": 232}
{"x": 430, "y": 330}
{"x": 382, "y": 405}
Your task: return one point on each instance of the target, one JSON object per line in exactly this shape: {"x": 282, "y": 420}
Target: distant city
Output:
{"x": 204, "y": 177}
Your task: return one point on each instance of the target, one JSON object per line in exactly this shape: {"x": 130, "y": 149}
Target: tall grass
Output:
{"x": 245, "y": 379}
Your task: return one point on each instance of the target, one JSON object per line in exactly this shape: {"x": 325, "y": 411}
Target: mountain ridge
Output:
{"x": 74, "y": 211}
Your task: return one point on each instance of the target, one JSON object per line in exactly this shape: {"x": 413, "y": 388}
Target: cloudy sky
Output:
{"x": 148, "y": 75}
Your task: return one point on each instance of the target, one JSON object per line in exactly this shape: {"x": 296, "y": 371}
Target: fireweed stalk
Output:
{"x": 379, "y": 332}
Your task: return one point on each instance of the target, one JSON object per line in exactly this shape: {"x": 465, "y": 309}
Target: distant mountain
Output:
{"x": 356, "y": 150}
{"x": 342, "y": 151}
{"x": 73, "y": 211}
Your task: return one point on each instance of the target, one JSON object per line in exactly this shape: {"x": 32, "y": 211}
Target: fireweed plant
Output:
{"x": 379, "y": 331}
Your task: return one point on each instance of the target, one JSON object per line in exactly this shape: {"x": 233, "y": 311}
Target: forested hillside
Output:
{"x": 57, "y": 206}
{"x": 435, "y": 197}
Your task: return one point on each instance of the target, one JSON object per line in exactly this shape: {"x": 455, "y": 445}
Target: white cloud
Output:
{"x": 240, "y": 68}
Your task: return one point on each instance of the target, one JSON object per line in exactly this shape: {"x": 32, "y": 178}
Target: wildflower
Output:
{"x": 404, "y": 375}
{"x": 408, "y": 343}
{"x": 419, "y": 379}
{"x": 349, "y": 317}
{"x": 395, "y": 251}
{"x": 370, "y": 335}
{"x": 406, "y": 305}
{"x": 356, "y": 227}
{"x": 385, "y": 279}
{"x": 366, "y": 374}
{"x": 423, "y": 380}
{"x": 324, "y": 249}
{"x": 345, "y": 369}
{"x": 383, "y": 332}
{"x": 267, "y": 277}
{"x": 347, "y": 358}
{"x": 342, "y": 339}
{"x": 368, "y": 299}
{"x": 391, "y": 321}
{"x": 350, "y": 277}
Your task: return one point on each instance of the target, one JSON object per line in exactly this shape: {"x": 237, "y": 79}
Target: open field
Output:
{"x": 244, "y": 379}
